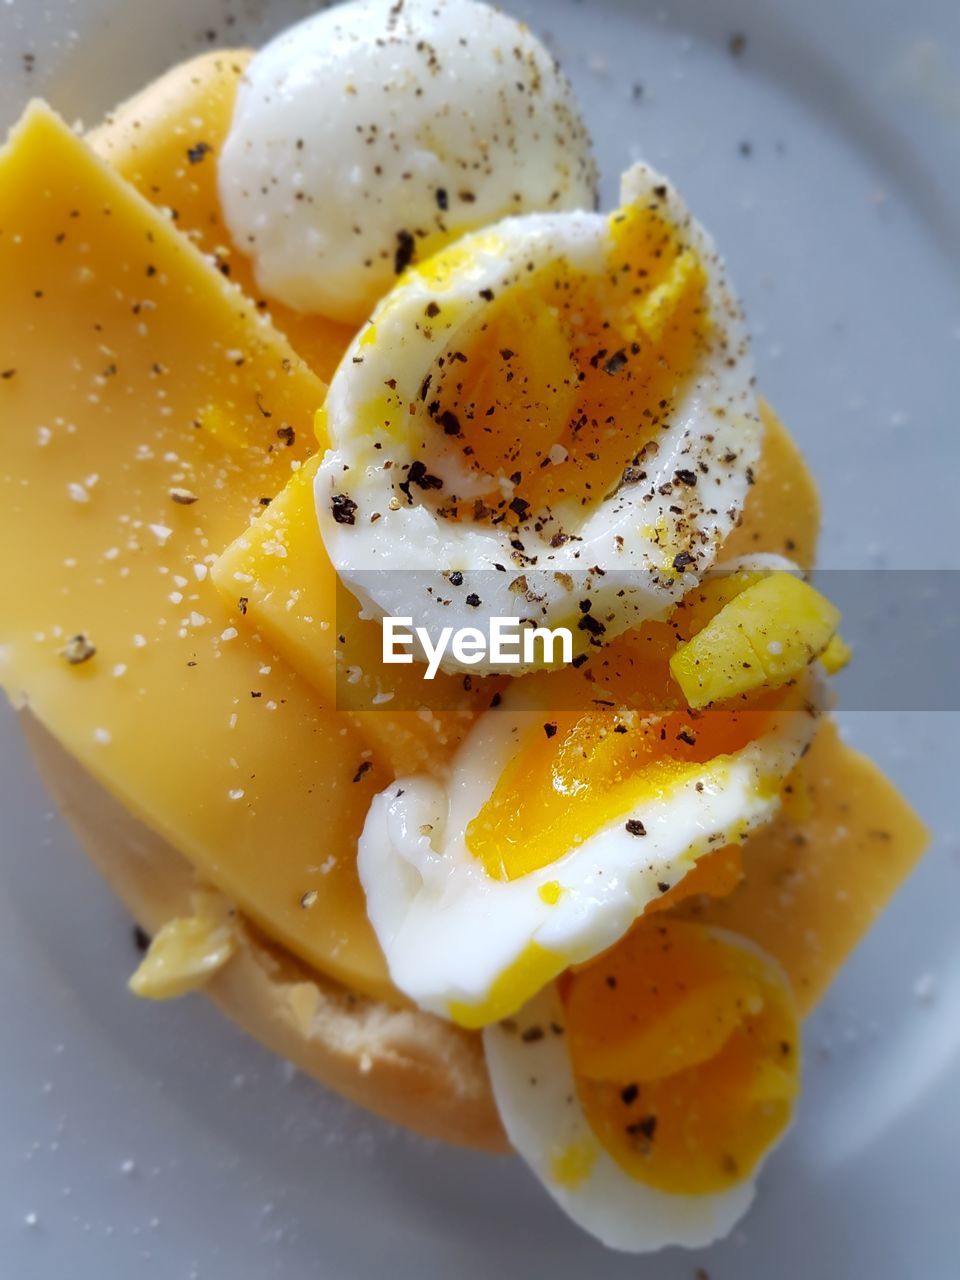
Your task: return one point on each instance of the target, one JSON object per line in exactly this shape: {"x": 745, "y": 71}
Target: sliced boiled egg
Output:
{"x": 552, "y": 418}
{"x": 646, "y": 1089}
{"x": 374, "y": 132}
{"x": 554, "y": 832}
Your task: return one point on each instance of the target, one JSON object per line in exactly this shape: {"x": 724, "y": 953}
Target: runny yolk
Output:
{"x": 577, "y": 771}
{"x": 685, "y": 1048}
{"x": 569, "y": 375}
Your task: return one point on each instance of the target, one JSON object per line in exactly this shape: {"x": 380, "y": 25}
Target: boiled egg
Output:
{"x": 372, "y": 133}
{"x": 555, "y": 831}
{"x": 553, "y": 418}
{"x": 646, "y": 1089}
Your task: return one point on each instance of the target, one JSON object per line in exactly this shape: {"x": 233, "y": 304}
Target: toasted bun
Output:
{"x": 409, "y": 1067}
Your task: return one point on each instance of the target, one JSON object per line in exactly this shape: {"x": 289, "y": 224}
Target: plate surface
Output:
{"x": 158, "y": 1142}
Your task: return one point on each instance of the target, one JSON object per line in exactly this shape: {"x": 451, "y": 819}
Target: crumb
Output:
{"x": 78, "y": 649}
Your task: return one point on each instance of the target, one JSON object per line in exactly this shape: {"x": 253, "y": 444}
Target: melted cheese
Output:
{"x": 134, "y": 372}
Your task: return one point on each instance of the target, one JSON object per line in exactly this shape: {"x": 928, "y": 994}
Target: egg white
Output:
{"x": 396, "y": 555}
{"x": 373, "y": 129}
{"x": 535, "y": 1092}
{"x": 448, "y": 930}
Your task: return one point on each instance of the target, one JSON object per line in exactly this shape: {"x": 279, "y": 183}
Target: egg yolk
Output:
{"x": 580, "y": 770}
{"x": 576, "y": 771}
{"x": 568, "y": 376}
{"x": 768, "y": 633}
{"x": 685, "y": 1048}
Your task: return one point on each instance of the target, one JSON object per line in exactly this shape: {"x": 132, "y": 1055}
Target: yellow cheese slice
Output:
{"x": 816, "y": 880}
{"x": 166, "y": 142}
{"x": 135, "y": 380}
{"x": 278, "y": 580}
{"x": 782, "y": 510}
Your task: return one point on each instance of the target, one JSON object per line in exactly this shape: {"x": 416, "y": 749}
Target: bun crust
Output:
{"x": 410, "y": 1067}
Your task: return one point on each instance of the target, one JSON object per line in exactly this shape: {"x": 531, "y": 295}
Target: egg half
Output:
{"x": 555, "y": 831}
{"x": 557, "y": 409}
{"x": 645, "y": 1090}
{"x": 371, "y": 133}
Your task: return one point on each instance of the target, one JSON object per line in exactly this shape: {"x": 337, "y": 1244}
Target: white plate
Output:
{"x": 157, "y": 1142}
